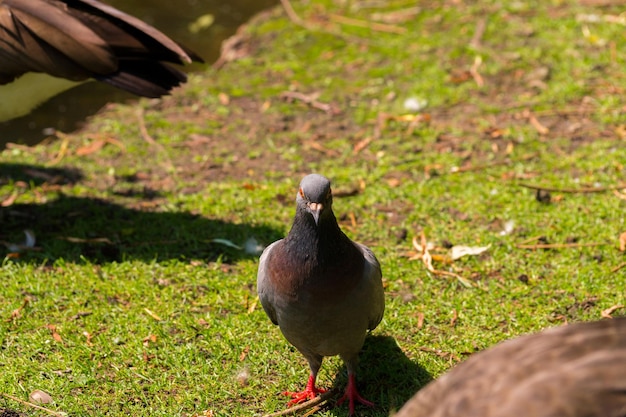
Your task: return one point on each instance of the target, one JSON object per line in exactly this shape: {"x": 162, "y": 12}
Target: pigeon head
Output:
{"x": 314, "y": 196}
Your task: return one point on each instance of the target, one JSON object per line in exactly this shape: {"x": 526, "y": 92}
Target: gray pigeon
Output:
{"x": 323, "y": 290}
{"x": 577, "y": 370}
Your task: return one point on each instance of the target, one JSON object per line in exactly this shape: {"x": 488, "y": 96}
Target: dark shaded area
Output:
{"x": 7, "y": 412}
{"x": 68, "y": 111}
{"x": 65, "y": 112}
{"x": 386, "y": 376}
{"x": 76, "y": 229}
{"x": 36, "y": 175}
{"x": 81, "y": 228}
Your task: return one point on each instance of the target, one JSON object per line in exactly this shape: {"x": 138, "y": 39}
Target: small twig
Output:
{"x": 311, "y": 100}
{"x": 457, "y": 170}
{"x": 380, "y": 27}
{"x": 362, "y": 144}
{"x": 455, "y": 316}
{"x": 234, "y": 48}
{"x": 298, "y": 21}
{"x": 152, "y": 314}
{"x": 291, "y": 13}
{"x": 440, "y": 353}
{"x": 146, "y": 136}
{"x": 559, "y": 245}
{"x": 320, "y": 148}
{"x": 531, "y": 239}
{"x": 306, "y": 405}
{"x": 47, "y": 410}
{"x": 64, "y": 147}
{"x": 540, "y": 128}
{"x": 574, "y": 190}
{"x": 481, "y": 25}
{"x": 622, "y": 242}
{"x": 619, "y": 195}
{"x": 618, "y": 267}
{"x": 143, "y": 129}
{"x": 73, "y": 239}
{"x": 474, "y": 71}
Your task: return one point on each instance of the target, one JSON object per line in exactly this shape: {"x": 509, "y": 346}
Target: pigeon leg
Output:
{"x": 309, "y": 392}
{"x": 353, "y": 396}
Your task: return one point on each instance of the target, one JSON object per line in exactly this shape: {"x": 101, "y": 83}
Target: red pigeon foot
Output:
{"x": 309, "y": 393}
{"x": 352, "y": 395}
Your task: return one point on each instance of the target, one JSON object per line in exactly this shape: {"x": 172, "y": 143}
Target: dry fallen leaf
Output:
{"x": 424, "y": 254}
{"x": 92, "y": 147}
{"x": 53, "y": 330}
{"x": 17, "y": 313}
{"x": 40, "y": 397}
{"x": 224, "y": 99}
{"x": 10, "y": 199}
{"x": 393, "y": 182}
{"x": 540, "y": 128}
{"x": 420, "y": 320}
{"x": 149, "y": 339}
{"x": 88, "y": 338}
{"x": 362, "y": 144}
{"x": 459, "y": 251}
{"x": 244, "y": 353}
{"x": 98, "y": 143}
{"x": 252, "y": 306}
{"x": 607, "y": 313}
{"x": 454, "y": 318}
{"x": 205, "y": 413}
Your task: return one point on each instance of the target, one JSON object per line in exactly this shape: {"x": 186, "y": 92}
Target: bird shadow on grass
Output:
{"x": 79, "y": 229}
{"x": 65, "y": 112}
{"x": 386, "y": 376}
{"x": 38, "y": 175}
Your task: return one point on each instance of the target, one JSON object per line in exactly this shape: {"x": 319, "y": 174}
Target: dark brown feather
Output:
{"x": 80, "y": 39}
{"x": 571, "y": 371}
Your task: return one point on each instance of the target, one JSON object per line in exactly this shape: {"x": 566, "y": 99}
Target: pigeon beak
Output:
{"x": 316, "y": 209}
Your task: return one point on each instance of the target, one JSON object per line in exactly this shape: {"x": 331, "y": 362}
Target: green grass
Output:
{"x": 133, "y": 304}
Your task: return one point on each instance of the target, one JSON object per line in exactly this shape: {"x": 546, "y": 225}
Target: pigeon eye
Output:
{"x": 301, "y": 193}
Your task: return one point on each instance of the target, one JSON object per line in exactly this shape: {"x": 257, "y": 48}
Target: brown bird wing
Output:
{"x": 78, "y": 39}
{"x": 575, "y": 370}
{"x": 160, "y": 46}
{"x": 39, "y": 36}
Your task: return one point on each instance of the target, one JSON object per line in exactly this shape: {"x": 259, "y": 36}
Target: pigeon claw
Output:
{"x": 309, "y": 393}
{"x": 353, "y": 396}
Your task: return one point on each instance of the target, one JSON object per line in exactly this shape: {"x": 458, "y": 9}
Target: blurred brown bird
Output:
{"x": 577, "y": 370}
{"x": 74, "y": 40}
